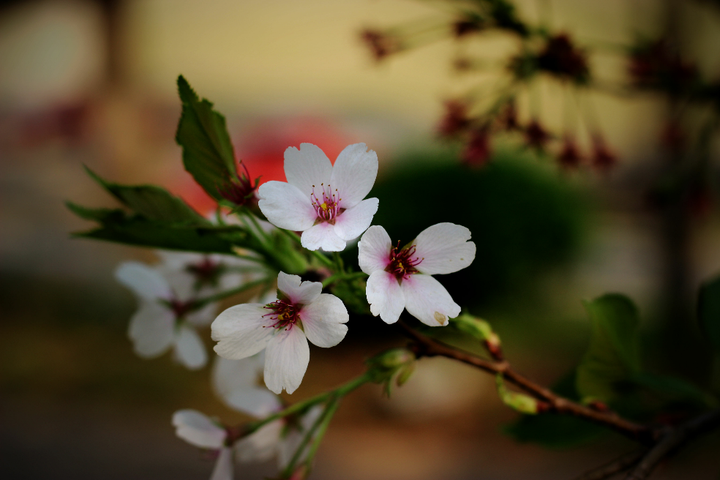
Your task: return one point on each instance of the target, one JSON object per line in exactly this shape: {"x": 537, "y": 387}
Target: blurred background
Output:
{"x": 92, "y": 82}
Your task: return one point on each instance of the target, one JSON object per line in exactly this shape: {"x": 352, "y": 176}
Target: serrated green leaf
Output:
{"x": 207, "y": 151}
{"x": 555, "y": 431}
{"x": 612, "y": 358}
{"x": 96, "y": 214}
{"x": 151, "y": 202}
{"x": 709, "y": 311}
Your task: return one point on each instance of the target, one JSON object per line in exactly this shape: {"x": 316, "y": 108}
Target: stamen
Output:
{"x": 285, "y": 314}
{"x": 327, "y": 205}
{"x": 403, "y": 262}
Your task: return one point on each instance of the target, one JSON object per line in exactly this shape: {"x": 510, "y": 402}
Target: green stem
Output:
{"x": 343, "y": 276}
{"x": 315, "y": 253}
{"x": 341, "y": 391}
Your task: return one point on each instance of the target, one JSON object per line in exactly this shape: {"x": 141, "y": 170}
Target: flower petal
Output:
{"x": 444, "y": 248}
{"x": 428, "y": 301}
{"x": 236, "y": 383}
{"x": 285, "y": 206}
{"x": 143, "y": 280}
{"x": 286, "y": 360}
{"x": 354, "y": 174}
{"x": 204, "y": 316}
{"x": 354, "y": 221}
{"x": 152, "y": 329}
{"x": 322, "y": 236}
{"x": 385, "y": 296}
{"x": 295, "y": 436}
{"x": 241, "y": 331}
{"x": 307, "y": 167}
{"x": 197, "y": 429}
{"x": 189, "y": 349}
{"x": 374, "y": 249}
{"x": 261, "y": 445}
{"x": 223, "y": 466}
{"x": 299, "y": 292}
{"x": 324, "y": 321}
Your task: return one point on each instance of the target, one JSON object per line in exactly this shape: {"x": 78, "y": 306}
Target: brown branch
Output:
{"x": 426, "y": 346}
{"x": 618, "y": 465}
{"x": 672, "y": 440}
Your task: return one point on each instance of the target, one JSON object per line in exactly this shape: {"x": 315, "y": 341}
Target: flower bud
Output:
{"x": 398, "y": 363}
{"x": 518, "y": 401}
{"x": 480, "y": 330}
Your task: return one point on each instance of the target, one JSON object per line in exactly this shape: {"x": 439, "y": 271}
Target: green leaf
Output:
{"x": 676, "y": 390}
{"x": 612, "y": 358}
{"x": 709, "y": 311}
{"x": 207, "y": 151}
{"x": 117, "y": 226}
{"x": 555, "y": 431}
{"x": 151, "y": 202}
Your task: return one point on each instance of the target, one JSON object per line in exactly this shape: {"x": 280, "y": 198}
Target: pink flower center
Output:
{"x": 403, "y": 262}
{"x": 327, "y": 205}
{"x": 285, "y": 314}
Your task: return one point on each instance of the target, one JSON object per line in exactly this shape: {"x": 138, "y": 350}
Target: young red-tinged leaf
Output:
{"x": 207, "y": 151}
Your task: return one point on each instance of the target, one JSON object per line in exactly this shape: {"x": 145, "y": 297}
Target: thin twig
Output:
{"x": 616, "y": 466}
{"x": 429, "y": 347}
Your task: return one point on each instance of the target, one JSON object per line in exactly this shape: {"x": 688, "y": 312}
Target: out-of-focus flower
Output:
{"x": 381, "y": 44}
{"x": 236, "y": 383}
{"x": 400, "y": 278}
{"x": 322, "y": 200}
{"x": 477, "y": 151}
{"x": 536, "y": 136}
{"x": 301, "y": 313}
{"x": 456, "y": 119}
{"x": 602, "y": 158}
{"x": 240, "y": 191}
{"x": 166, "y": 317}
{"x": 569, "y": 157}
{"x": 199, "y": 430}
{"x": 561, "y": 58}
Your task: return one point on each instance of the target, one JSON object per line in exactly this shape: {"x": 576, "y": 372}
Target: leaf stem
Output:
{"x": 201, "y": 302}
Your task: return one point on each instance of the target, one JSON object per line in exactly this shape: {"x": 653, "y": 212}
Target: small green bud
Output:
{"x": 396, "y": 363}
{"x": 517, "y": 401}
{"x": 480, "y": 330}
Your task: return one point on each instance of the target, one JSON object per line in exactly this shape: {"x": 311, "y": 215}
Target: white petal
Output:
{"x": 261, "y": 445}
{"x": 299, "y": 293}
{"x": 143, "y": 280}
{"x": 354, "y": 221}
{"x": 236, "y": 383}
{"x": 223, "y": 466}
{"x": 197, "y": 429}
{"x": 428, "y": 301}
{"x": 444, "y": 248}
{"x": 307, "y": 167}
{"x": 152, "y": 329}
{"x": 354, "y": 174}
{"x": 190, "y": 349}
{"x": 202, "y": 317}
{"x": 322, "y": 236}
{"x": 286, "y": 360}
{"x": 241, "y": 331}
{"x": 385, "y": 296}
{"x": 285, "y": 206}
{"x": 323, "y": 321}
{"x": 374, "y": 249}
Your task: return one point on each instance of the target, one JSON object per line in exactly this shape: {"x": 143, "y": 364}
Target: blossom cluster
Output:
{"x": 267, "y": 339}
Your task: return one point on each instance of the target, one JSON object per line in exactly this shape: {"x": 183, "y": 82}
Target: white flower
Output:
{"x": 322, "y": 200}
{"x": 400, "y": 278}
{"x": 199, "y": 430}
{"x": 165, "y": 293}
{"x": 236, "y": 383}
{"x": 284, "y": 326}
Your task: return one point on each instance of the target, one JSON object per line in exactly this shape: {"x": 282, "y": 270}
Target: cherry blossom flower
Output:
{"x": 322, "y": 200}
{"x": 199, "y": 430}
{"x": 283, "y": 327}
{"x": 236, "y": 383}
{"x": 400, "y": 278}
{"x": 165, "y": 318}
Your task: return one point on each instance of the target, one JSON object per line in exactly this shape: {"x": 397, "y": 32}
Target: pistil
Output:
{"x": 403, "y": 262}
{"x": 283, "y": 313}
